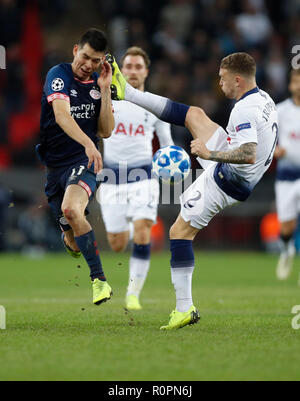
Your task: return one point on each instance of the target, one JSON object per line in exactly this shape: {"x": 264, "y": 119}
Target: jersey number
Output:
{"x": 79, "y": 170}
{"x": 274, "y": 128}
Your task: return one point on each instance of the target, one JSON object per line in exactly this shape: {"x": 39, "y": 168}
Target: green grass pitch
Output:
{"x": 54, "y": 332}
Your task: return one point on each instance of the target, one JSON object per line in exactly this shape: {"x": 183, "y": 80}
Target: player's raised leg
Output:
{"x": 194, "y": 118}
{"x": 73, "y": 208}
{"x": 182, "y": 267}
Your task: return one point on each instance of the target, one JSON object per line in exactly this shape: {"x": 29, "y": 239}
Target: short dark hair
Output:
{"x": 136, "y": 51}
{"x": 95, "y": 38}
{"x": 240, "y": 63}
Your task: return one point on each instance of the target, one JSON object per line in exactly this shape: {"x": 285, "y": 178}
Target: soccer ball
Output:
{"x": 171, "y": 164}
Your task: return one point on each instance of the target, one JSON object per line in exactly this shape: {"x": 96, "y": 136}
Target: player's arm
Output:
{"x": 106, "y": 122}
{"x": 63, "y": 118}
{"x": 245, "y": 154}
{"x": 163, "y": 132}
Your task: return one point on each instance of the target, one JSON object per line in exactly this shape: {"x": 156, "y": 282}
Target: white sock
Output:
{"x": 287, "y": 247}
{"x": 182, "y": 281}
{"x": 153, "y": 103}
{"x": 131, "y": 230}
{"x": 138, "y": 270}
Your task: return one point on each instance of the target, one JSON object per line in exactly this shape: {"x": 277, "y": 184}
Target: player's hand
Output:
{"x": 198, "y": 148}
{"x": 279, "y": 152}
{"x": 104, "y": 80}
{"x": 94, "y": 157}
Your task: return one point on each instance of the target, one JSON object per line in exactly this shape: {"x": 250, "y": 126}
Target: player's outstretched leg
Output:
{"x": 194, "y": 118}
{"x": 182, "y": 267}
{"x": 164, "y": 108}
{"x": 118, "y": 82}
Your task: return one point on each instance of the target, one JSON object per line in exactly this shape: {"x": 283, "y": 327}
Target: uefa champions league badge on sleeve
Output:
{"x": 57, "y": 84}
{"x": 171, "y": 164}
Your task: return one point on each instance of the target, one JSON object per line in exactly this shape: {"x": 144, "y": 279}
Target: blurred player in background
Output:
{"x": 76, "y": 110}
{"x": 127, "y": 204}
{"x": 287, "y": 186}
{"x": 234, "y": 162}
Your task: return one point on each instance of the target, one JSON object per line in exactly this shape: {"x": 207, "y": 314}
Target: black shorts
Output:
{"x": 58, "y": 179}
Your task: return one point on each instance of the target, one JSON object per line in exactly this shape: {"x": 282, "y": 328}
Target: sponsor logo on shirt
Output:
{"x": 83, "y": 111}
{"x": 295, "y": 135}
{"x": 131, "y": 131}
{"x": 243, "y": 126}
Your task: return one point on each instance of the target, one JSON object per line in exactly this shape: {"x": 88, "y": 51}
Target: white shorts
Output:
{"x": 203, "y": 200}
{"x": 287, "y": 199}
{"x": 123, "y": 203}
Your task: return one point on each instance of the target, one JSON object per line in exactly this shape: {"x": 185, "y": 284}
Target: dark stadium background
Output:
{"x": 186, "y": 39}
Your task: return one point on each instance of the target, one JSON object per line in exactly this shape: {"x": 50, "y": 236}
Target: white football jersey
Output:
{"x": 289, "y": 133}
{"x": 253, "y": 119}
{"x": 131, "y": 140}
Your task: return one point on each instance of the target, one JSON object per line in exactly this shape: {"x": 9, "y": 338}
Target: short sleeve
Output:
{"x": 281, "y": 110}
{"x": 57, "y": 85}
{"x": 245, "y": 125}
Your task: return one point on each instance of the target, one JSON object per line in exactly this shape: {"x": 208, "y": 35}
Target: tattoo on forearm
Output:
{"x": 243, "y": 155}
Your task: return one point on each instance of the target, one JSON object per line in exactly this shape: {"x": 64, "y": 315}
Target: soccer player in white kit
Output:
{"x": 128, "y": 202}
{"x": 234, "y": 162}
{"x": 287, "y": 186}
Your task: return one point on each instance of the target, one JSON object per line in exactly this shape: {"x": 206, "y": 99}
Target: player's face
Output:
{"x": 135, "y": 71}
{"x": 228, "y": 83}
{"x": 86, "y": 61}
{"x": 295, "y": 85}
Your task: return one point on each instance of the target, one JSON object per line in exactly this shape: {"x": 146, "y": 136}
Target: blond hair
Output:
{"x": 240, "y": 63}
{"x": 136, "y": 51}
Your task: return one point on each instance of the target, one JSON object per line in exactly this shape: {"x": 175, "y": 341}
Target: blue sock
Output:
{"x": 174, "y": 113}
{"x": 182, "y": 254}
{"x": 141, "y": 251}
{"x": 88, "y": 247}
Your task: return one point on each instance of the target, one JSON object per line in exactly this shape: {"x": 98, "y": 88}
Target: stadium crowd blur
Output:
{"x": 186, "y": 39}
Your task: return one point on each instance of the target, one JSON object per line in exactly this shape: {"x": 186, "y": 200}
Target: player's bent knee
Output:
{"x": 194, "y": 113}
{"x": 117, "y": 243}
{"x": 174, "y": 232}
{"x": 182, "y": 231}
{"x": 288, "y": 227}
{"x": 71, "y": 214}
